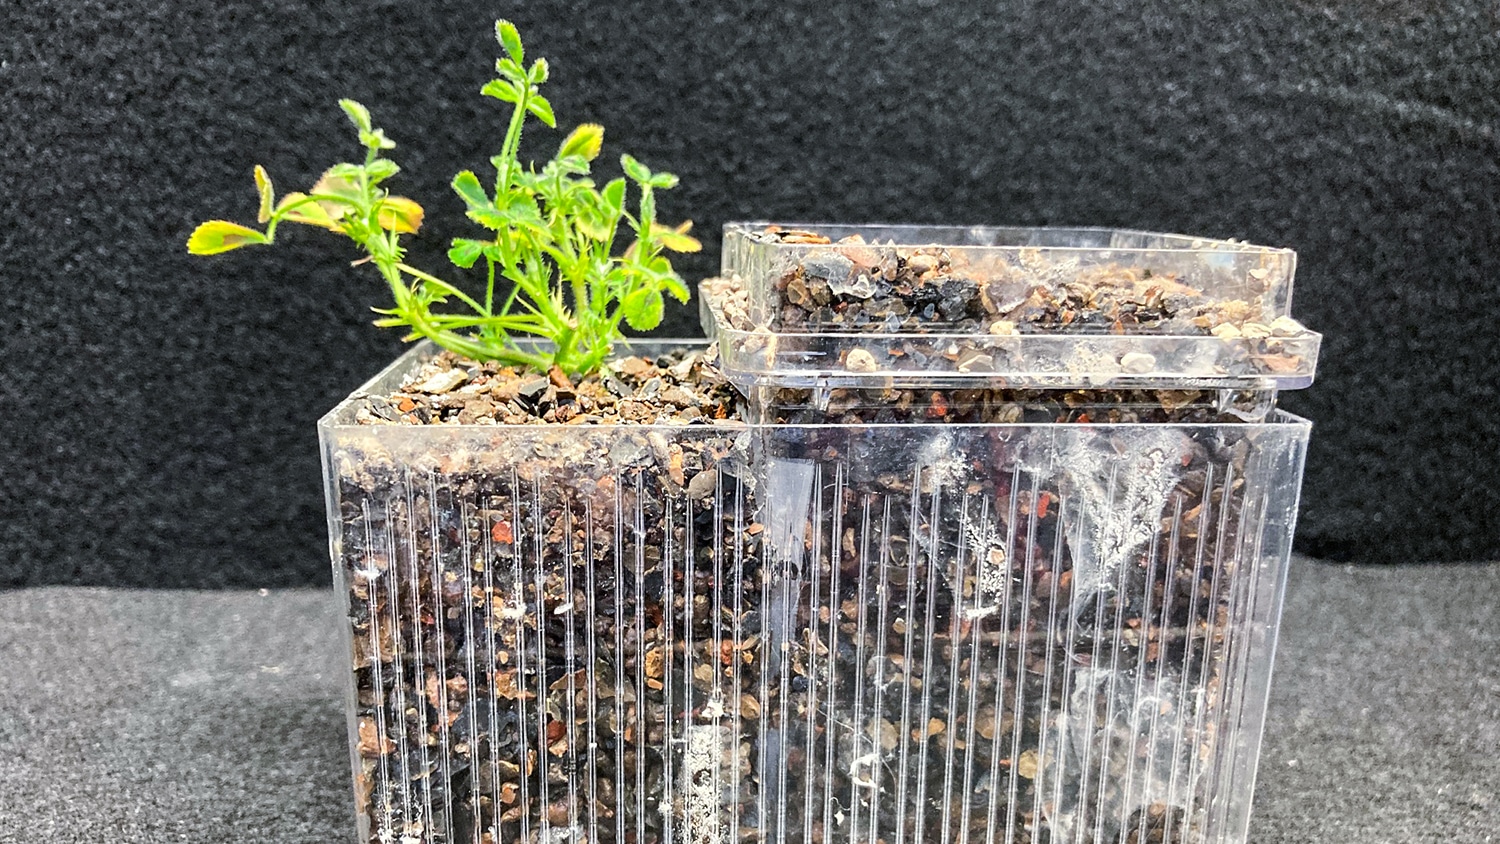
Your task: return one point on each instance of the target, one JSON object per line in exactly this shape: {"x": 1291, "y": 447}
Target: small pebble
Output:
{"x": 442, "y": 382}
{"x": 1137, "y": 363}
{"x": 535, "y": 388}
{"x": 1286, "y": 327}
{"x": 975, "y": 361}
{"x": 703, "y": 484}
{"x": 859, "y": 360}
{"x": 919, "y": 264}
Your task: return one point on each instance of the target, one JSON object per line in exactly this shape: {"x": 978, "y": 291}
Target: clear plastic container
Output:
{"x": 974, "y": 632}
{"x": 1022, "y": 307}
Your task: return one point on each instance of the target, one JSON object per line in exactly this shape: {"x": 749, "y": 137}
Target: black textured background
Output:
{"x": 158, "y": 410}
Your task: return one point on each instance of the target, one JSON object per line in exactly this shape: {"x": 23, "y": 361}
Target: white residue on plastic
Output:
{"x": 942, "y": 459}
{"x": 991, "y": 565}
{"x": 706, "y": 774}
{"x": 789, "y": 487}
{"x": 1116, "y": 498}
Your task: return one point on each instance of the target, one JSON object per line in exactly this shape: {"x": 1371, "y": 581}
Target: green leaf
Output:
{"x": 488, "y": 217}
{"x": 510, "y": 39}
{"x": 467, "y": 186}
{"x": 267, "y": 194}
{"x": 511, "y": 210}
{"x": 665, "y": 181}
{"x": 614, "y": 196}
{"x": 538, "y": 73}
{"x": 344, "y": 172}
{"x": 568, "y": 165}
{"x": 539, "y": 106}
{"x": 585, "y": 141}
{"x": 648, "y": 206}
{"x": 679, "y": 291}
{"x": 642, "y": 308}
{"x": 523, "y": 178}
{"x": 376, "y": 139}
{"x": 465, "y": 252}
{"x": 217, "y": 236}
{"x": 381, "y": 169}
{"x": 519, "y": 208}
{"x": 634, "y": 169}
{"x": 501, "y": 90}
{"x": 510, "y": 70}
{"x": 357, "y": 113}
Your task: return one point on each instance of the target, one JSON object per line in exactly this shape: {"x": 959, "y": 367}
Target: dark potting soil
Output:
{"x": 613, "y": 631}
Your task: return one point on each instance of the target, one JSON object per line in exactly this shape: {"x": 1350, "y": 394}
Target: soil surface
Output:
{"x": 679, "y": 388}
{"x": 859, "y": 286}
{"x": 685, "y": 387}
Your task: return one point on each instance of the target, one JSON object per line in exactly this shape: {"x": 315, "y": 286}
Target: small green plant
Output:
{"x": 552, "y": 238}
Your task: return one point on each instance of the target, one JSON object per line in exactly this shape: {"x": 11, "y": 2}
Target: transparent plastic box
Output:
{"x": 812, "y": 632}
{"x": 1023, "y": 307}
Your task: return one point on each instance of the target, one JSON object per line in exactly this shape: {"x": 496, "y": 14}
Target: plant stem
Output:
{"x": 489, "y": 290}
{"x": 443, "y": 286}
{"x": 512, "y": 139}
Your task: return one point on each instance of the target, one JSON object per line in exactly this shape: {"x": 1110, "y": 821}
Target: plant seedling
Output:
{"x": 551, "y": 238}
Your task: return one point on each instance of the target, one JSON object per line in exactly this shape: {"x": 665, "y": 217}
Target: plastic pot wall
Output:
{"x": 809, "y": 633}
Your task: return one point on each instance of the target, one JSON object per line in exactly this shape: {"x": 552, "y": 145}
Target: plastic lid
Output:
{"x": 1028, "y": 307}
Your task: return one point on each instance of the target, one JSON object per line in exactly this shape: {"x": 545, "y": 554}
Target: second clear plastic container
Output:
{"x": 1017, "y": 307}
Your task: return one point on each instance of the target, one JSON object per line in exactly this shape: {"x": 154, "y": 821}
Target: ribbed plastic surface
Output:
{"x": 884, "y": 633}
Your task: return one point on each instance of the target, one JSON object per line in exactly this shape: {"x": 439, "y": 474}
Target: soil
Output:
{"x": 610, "y": 631}
{"x": 857, "y": 286}
{"x": 937, "y": 309}
{"x": 680, "y": 388}
{"x": 885, "y": 405}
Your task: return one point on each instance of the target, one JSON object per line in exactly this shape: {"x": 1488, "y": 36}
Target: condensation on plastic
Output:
{"x": 758, "y": 348}
{"x": 841, "y": 633}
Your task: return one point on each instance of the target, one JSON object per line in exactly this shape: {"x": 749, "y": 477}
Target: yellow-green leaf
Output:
{"x": 217, "y": 236}
{"x": 267, "y": 194}
{"x": 586, "y": 141}
{"x": 399, "y": 214}
{"x": 677, "y": 239}
{"x": 592, "y": 227}
{"x": 333, "y": 185}
{"x": 358, "y": 114}
{"x": 306, "y": 212}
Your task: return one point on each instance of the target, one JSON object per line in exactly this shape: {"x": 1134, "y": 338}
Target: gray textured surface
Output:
{"x": 140, "y": 717}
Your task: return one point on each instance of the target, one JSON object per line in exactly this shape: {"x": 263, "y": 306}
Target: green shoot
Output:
{"x": 549, "y": 256}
